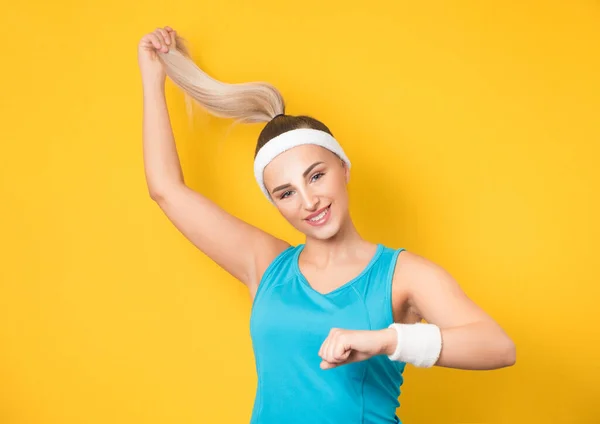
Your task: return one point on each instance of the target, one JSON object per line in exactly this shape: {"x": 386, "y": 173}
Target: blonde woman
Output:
{"x": 336, "y": 319}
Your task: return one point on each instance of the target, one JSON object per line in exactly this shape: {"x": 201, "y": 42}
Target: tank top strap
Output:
{"x": 375, "y": 288}
{"x": 279, "y": 270}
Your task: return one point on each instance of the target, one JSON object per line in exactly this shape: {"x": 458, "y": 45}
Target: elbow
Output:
{"x": 509, "y": 353}
{"x": 158, "y": 194}
{"x": 155, "y": 195}
{"x": 154, "y": 192}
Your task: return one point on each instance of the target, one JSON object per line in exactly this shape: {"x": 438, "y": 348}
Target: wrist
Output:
{"x": 153, "y": 84}
{"x": 389, "y": 341}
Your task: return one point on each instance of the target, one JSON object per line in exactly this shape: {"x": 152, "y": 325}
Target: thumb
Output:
{"x": 327, "y": 365}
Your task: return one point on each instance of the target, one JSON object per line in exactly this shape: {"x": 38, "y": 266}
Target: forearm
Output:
{"x": 477, "y": 346}
{"x": 161, "y": 161}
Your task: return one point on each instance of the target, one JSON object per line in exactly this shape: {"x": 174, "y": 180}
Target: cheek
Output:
{"x": 337, "y": 186}
{"x": 288, "y": 211}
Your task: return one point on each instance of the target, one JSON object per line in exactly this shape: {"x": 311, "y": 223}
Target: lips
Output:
{"x": 317, "y": 213}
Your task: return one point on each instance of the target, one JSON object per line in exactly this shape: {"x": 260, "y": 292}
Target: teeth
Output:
{"x": 319, "y": 216}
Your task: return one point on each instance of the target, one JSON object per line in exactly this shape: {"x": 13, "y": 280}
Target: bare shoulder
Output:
{"x": 269, "y": 248}
{"x": 411, "y": 269}
{"x": 429, "y": 291}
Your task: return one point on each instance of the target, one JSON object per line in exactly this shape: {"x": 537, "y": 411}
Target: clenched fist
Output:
{"x": 347, "y": 346}
{"x": 149, "y": 47}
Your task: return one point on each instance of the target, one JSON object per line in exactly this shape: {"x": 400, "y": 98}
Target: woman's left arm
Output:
{"x": 471, "y": 339}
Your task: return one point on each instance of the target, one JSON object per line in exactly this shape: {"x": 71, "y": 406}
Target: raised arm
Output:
{"x": 241, "y": 249}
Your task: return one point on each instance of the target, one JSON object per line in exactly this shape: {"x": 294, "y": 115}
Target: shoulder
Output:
{"x": 413, "y": 274}
{"x": 274, "y": 265}
{"x": 410, "y": 264}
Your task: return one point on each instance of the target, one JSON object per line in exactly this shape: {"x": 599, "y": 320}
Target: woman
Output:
{"x": 334, "y": 320}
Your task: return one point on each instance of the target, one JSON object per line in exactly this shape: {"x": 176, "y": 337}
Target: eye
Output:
{"x": 317, "y": 176}
{"x": 284, "y": 195}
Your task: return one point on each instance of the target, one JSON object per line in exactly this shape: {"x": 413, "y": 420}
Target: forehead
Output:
{"x": 293, "y": 162}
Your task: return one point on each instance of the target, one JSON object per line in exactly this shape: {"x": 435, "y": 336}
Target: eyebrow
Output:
{"x": 304, "y": 174}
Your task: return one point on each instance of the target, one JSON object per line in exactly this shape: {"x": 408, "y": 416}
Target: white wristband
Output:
{"x": 419, "y": 344}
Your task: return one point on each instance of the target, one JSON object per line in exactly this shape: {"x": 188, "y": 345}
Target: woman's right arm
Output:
{"x": 239, "y": 248}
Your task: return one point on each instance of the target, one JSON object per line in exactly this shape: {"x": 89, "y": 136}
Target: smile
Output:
{"x": 320, "y": 218}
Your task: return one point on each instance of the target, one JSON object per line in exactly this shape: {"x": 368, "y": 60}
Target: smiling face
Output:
{"x": 308, "y": 185}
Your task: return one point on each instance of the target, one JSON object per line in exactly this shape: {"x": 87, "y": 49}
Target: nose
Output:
{"x": 310, "y": 201}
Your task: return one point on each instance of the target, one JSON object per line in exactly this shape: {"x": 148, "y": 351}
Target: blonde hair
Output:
{"x": 250, "y": 102}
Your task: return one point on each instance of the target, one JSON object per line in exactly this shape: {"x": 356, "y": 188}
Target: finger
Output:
{"x": 165, "y": 35}
{"x": 331, "y": 349}
{"x": 156, "y": 36}
{"x": 323, "y": 350}
{"x": 327, "y": 351}
{"x": 327, "y": 343}
{"x": 341, "y": 351}
{"x": 146, "y": 41}
{"x": 158, "y": 33}
{"x": 168, "y": 28}
{"x": 154, "y": 41}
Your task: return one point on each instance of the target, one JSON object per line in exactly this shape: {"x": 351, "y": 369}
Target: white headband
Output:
{"x": 286, "y": 141}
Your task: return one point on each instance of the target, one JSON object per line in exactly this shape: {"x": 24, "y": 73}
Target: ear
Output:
{"x": 346, "y": 171}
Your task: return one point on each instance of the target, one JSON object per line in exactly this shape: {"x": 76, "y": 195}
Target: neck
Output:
{"x": 346, "y": 242}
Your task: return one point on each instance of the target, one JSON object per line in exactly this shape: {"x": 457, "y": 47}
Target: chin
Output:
{"x": 323, "y": 233}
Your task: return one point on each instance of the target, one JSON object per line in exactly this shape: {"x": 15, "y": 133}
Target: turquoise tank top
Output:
{"x": 288, "y": 324}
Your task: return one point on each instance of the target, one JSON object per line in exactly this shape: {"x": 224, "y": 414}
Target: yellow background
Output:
{"x": 473, "y": 128}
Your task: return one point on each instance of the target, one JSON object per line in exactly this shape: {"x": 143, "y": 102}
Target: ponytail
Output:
{"x": 250, "y": 102}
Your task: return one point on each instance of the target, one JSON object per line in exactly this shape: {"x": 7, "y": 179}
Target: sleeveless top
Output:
{"x": 288, "y": 324}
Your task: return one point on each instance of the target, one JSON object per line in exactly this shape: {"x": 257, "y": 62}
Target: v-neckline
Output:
{"x": 296, "y": 264}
